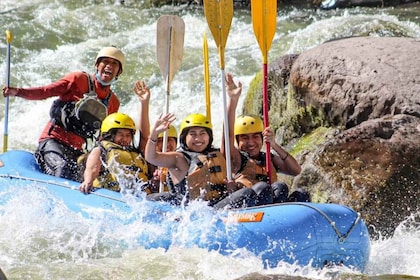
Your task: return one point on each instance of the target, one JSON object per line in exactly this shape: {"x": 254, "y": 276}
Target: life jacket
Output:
{"x": 164, "y": 179}
{"x": 120, "y": 165}
{"x": 83, "y": 117}
{"x": 206, "y": 175}
{"x": 253, "y": 171}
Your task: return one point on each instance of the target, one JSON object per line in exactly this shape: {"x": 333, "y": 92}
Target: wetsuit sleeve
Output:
{"x": 64, "y": 88}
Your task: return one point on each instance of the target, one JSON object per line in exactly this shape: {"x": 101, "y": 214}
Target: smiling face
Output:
{"x": 108, "y": 68}
{"x": 250, "y": 143}
{"x": 123, "y": 137}
{"x": 197, "y": 139}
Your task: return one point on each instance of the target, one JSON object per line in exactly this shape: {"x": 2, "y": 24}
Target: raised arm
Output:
{"x": 143, "y": 94}
{"x": 163, "y": 159}
{"x": 174, "y": 161}
{"x": 234, "y": 92}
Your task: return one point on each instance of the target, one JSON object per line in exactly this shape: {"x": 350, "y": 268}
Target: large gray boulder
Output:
{"x": 363, "y": 78}
{"x": 366, "y": 93}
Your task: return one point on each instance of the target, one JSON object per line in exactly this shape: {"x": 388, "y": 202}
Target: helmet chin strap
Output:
{"x": 98, "y": 77}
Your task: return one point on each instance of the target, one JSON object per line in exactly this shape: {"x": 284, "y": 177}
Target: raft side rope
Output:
{"x": 56, "y": 184}
{"x": 341, "y": 237}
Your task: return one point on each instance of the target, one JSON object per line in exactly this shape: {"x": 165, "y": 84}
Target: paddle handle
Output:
{"x": 266, "y": 121}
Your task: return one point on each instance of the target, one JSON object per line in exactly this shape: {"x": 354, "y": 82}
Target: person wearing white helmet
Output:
{"x": 84, "y": 100}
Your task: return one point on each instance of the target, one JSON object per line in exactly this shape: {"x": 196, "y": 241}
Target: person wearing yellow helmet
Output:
{"x": 116, "y": 163}
{"x": 248, "y": 161}
{"x": 84, "y": 100}
{"x": 160, "y": 178}
{"x": 198, "y": 170}
{"x": 172, "y": 140}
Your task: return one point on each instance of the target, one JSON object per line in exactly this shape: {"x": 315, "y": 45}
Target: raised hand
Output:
{"x": 142, "y": 91}
{"x": 233, "y": 90}
{"x": 162, "y": 123}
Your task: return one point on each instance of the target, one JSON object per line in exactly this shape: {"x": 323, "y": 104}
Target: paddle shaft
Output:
{"x": 264, "y": 13}
{"x": 219, "y": 15}
{"x": 206, "y": 77}
{"x": 266, "y": 121}
{"x": 168, "y": 88}
{"x": 6, "y": 113}
{"x": 225, "y": 114}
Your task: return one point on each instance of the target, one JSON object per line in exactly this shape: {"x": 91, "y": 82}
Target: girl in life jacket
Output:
{"x": 198, "y": 170}
{"x": 115, "y": 163}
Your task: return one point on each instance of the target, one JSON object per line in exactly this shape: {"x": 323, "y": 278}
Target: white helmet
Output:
{"x": 114, "y": 53}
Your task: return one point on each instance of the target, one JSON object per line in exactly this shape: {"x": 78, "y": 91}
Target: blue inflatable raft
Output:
{"x": 296, "y": 233}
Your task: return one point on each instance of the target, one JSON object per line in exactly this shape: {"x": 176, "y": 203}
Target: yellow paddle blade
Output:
{"x": 9, "y": 36}
{"x": 264, "y": 13}
{"x": 169, "y": 45}
{"x": 219, "y": 15}
{"x": 206, "y": 76}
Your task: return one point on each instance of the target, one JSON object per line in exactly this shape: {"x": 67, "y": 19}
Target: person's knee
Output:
{"x": 264, "y": 193}
{"x": 260, "y": 187}
{"x": 53, "y": 163}
{"x": 242, "y": 198}
{"x": 280, "y": 192}
{"x": 299, "y": 195}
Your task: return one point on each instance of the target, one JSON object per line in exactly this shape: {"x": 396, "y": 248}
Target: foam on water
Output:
{"x": 41, "y": 239}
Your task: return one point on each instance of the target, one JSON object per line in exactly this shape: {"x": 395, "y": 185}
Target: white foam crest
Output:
{"x": 398, "y": 254}
{"x": 350, "y": 25}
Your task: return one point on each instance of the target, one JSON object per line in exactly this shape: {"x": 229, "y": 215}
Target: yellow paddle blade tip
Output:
{"x": 9, "y": 36}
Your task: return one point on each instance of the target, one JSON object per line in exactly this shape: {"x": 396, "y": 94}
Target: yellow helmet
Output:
{"x": 248, "y": 124}
{"x": 114, "y": 53}
{"x": 117, "y": 120}
{"x": 195, "y": 120}
{"x": 171, "y": 132}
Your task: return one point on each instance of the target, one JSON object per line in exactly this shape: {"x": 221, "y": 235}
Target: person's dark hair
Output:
{"x": 183, "y": 136}
{"x": 110, "y": 135}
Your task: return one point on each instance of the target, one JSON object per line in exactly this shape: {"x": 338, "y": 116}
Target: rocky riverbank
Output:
{"x": 350, "y": 112}
{"x": 321, "y": 4}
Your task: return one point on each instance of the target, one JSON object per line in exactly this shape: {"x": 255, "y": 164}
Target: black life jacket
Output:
{"x": 83, "y": 117}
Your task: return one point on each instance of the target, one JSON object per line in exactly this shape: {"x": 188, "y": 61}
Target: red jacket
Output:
{"x": 72, "y": 87}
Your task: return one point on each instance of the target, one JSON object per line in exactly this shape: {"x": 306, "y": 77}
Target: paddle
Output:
{"x": 6, "y": 114}
{"x": 219, "y": 15}
{"x": 169, "y": 50}
{"x": 206, "y": 76}
{"x": 264, "y": 13}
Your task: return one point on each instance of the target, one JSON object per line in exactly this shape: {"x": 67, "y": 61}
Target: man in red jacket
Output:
{"x": 76, "y": 115}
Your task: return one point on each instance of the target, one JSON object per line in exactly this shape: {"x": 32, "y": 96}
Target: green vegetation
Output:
{"x": 310, "y": 141}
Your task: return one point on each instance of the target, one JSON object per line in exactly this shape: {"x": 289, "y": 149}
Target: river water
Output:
{"x": 52, "y": 38}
